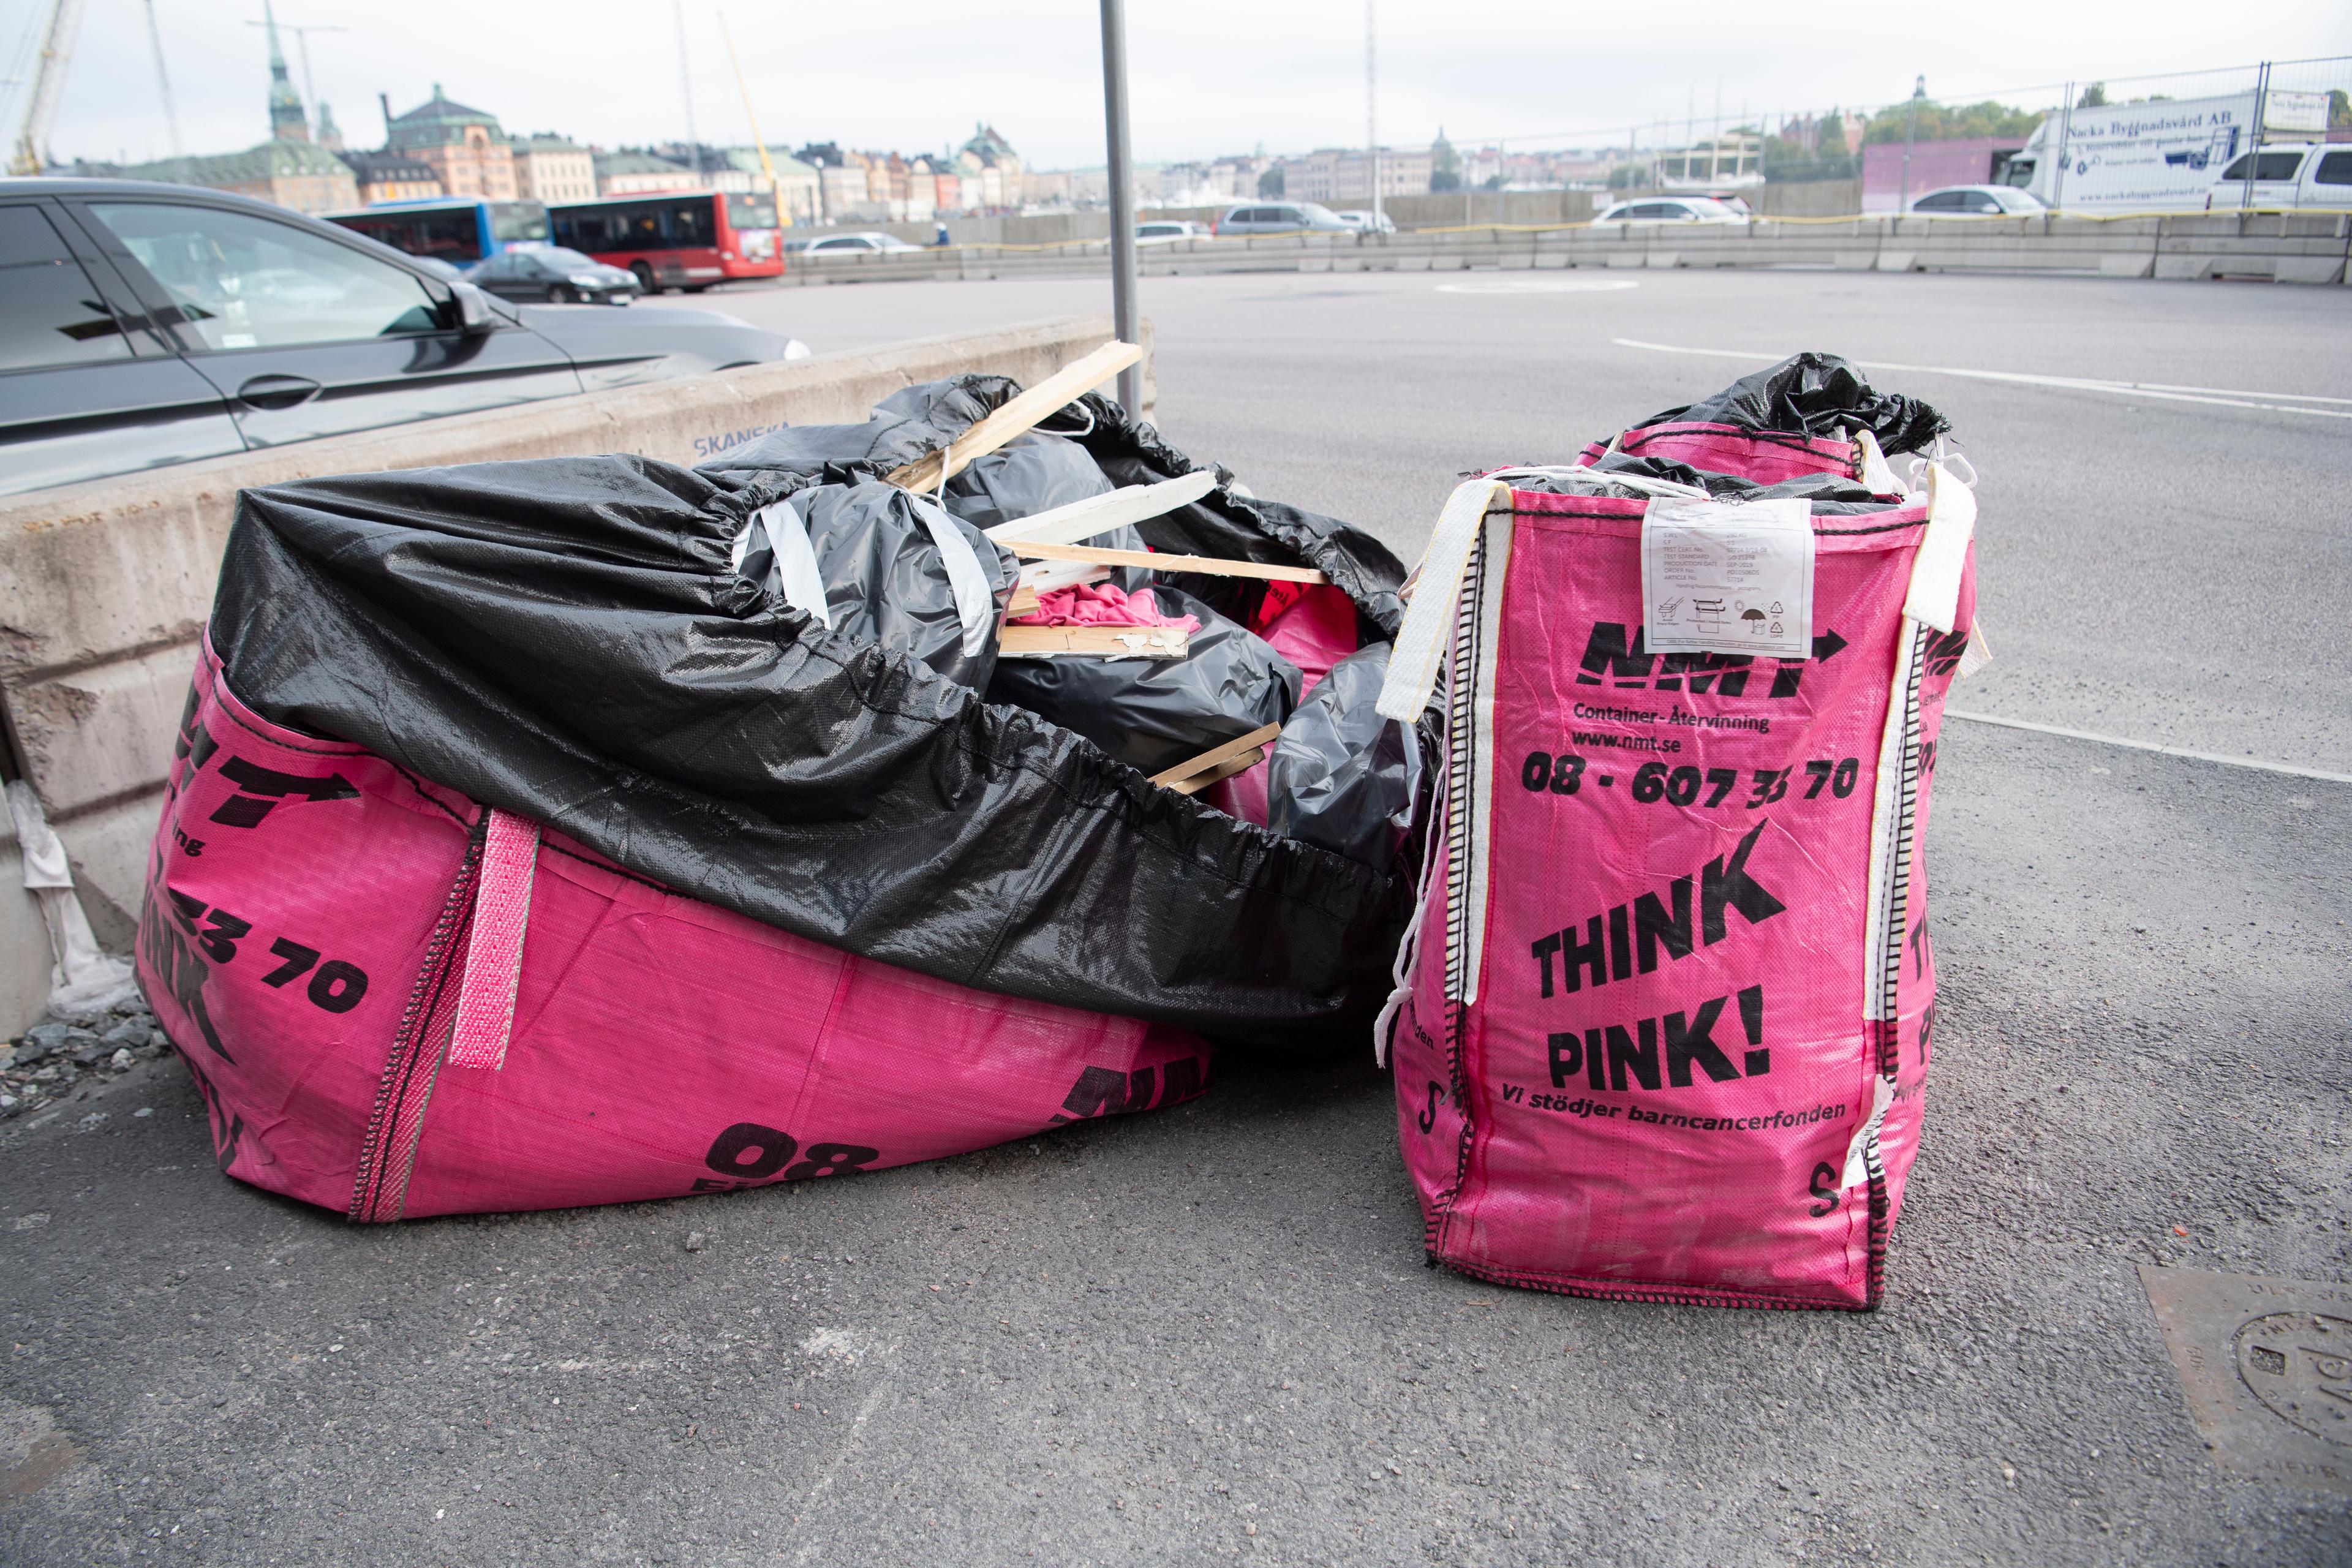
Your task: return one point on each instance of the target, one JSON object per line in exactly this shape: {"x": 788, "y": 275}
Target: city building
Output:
{"x": 549, "y": 169}
{"x": 464, "y": 147}
{"x": 1733, "y": 158}
{"x": 642, "y": 173}
{"x": 288, "y": 169}
{"x": 1342, "y": 175}
{"x": 392, "y": 177}
{"x": 798, "y": 196}
{"x": 1212, "y": 183}
{"x": 989, "y": 157}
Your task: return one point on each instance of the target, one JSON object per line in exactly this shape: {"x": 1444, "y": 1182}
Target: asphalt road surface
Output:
{"x": 1207, "y": 1333}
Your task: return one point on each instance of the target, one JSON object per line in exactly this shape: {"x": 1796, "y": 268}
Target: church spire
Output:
{"x": 287, "y": 120}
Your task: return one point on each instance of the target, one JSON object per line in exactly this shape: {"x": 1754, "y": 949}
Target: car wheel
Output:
{"x": 645, "y": 277}
{"x": 561, "y": 295}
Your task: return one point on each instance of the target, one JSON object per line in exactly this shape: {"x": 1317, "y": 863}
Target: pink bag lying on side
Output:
{"x": 1670, "y": 1000}
{"x": 397, "y": 1002}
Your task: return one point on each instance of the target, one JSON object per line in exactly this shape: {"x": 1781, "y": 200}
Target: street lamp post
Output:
{"x": 1910, "y": 129}
{"x": 1371, "y": 116}
{"x": 1125, "y": 320}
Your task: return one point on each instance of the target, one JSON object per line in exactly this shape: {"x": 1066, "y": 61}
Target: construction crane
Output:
{"x": 48, "y": 87}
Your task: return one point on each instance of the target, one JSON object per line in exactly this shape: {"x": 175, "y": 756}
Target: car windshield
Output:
{"x": 556, "y": 258}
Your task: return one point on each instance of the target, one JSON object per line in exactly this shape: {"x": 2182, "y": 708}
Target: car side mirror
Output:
{"x": 475, "y": 316}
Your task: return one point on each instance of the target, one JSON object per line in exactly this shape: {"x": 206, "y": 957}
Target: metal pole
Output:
{"x": 163, "y": 88}
{"x": 1910, "y": 129}
{"x": 2065, "y": 123}
{"x": 1125, "y": 320}
{"x": 686, "y": 87}
{"x": 1371, "y": 120}
{"x": 2255, "y": 142}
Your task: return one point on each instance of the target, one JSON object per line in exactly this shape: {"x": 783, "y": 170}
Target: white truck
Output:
{"x": 2169, "y": 154}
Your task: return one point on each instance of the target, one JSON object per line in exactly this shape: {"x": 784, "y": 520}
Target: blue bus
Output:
{"x": 459, "y": 230}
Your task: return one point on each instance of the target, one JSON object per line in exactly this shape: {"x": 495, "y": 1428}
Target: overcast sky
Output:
{"x": 1209, "y": 76}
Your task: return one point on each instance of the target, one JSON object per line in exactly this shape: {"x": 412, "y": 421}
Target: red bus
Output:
{"x": 687, "y": 240}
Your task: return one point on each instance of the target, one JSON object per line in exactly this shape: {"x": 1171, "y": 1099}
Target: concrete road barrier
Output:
{"x": 105, "y": 587}
{"x": 2290, "y": 248}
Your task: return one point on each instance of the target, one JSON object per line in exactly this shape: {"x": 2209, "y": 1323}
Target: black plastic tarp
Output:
{"x": 1153, "y": 713}
{"x": 567, "y": 639}
{"x": 1815, "y": 394}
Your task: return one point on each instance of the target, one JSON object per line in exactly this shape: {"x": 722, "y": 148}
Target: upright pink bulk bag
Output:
{"x": 398, "y": 1003}
{"x": 1664, "y": 1019}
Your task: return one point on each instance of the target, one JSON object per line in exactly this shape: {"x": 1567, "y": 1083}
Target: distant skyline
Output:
{"x": 1210, "y": 77}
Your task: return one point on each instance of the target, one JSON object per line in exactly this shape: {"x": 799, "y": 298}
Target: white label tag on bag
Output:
{"x": 1728, "y": 578}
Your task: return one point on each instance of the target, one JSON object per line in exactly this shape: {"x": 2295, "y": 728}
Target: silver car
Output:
{"x": 1672, "y": 209}
{"x": 1281, "y": 217}
{"x": 865, "y": 243}
{"x": 1977, "y": 201}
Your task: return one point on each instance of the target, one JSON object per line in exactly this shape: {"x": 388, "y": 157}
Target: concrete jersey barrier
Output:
{"x": 105, "y": 587}
{"x": 2288, "y": 247}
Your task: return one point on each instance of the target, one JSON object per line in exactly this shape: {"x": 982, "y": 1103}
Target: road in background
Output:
{"x": 1206, "y": 1333}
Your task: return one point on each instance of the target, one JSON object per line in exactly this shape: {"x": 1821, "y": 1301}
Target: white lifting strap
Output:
{"x": 1422, "y": 643}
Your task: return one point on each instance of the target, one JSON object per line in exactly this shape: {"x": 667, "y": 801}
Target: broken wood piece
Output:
{"x": 1047, "y": 576}
{"x": 1049, "y": 396}
{"x": 1093, "y": 642}
{"x": 1208, "y": 565}
{"x": 1217, "y": 755}
{"x": 1223, "y": 770}
{"x": 1100, "y": 514}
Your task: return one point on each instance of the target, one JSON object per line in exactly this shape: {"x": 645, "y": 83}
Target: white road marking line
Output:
{"x": 1543, "y": 285}
{"x": 2258, "y": 765}
{"x": 2071, "y": 383}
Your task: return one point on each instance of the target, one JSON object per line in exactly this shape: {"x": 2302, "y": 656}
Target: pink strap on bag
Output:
{"x": 486, "y": 1001}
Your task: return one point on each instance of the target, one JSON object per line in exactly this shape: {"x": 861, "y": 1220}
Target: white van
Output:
{"x": 2304, "y": 177}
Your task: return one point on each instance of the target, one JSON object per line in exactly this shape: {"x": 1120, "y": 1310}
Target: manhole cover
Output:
{"x": 2267, "y": 1367}
{"x": 2300, "y": 1365}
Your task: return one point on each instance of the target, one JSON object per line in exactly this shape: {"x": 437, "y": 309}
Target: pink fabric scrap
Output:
{"x": 1102, "y": 605}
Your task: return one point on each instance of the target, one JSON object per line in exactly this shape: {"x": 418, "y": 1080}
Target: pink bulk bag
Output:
{"x": 398, "y": 1003}
{"x": 1664, "y": 1017}
{"x": 525, "y": 847}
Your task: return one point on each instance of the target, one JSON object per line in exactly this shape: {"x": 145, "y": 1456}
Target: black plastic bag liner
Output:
{"x": 1034, "y": 473}
{"x": 567, "y": 639}
{"x": 1830, "y": 494}
{"x": 1152, "y": 713}
{"x": 918, "y": 420}
{"x": 894, "y": 569}
{"x": 1342, "y": 775}
{"x": 1815, "y": 394}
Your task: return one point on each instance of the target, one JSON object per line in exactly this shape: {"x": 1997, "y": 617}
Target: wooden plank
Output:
{"x": 1223, "y": 770}
{"x": 1049, "y": 396}
{"x": 1210, "y": 566}
{"x": 1100, "y": 514}
{"x": 1095, "y": 642}
{"x": 1217, "y": 754}
{"x": 1046, "y": 577}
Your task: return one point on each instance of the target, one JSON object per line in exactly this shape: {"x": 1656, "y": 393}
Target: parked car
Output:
{"x": 1168, "y": 231}
{"x": 554, "y": 275}
{"x": 2286, "y": 175}
{"x": 1672, "y": 209}
{"x": 1281, "y": 217}
{"x": 1362, "y": 221}
{"x": 1978, "y": 201}
{"x": 142, "y": 325}
{"x": 862, "y": 244}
